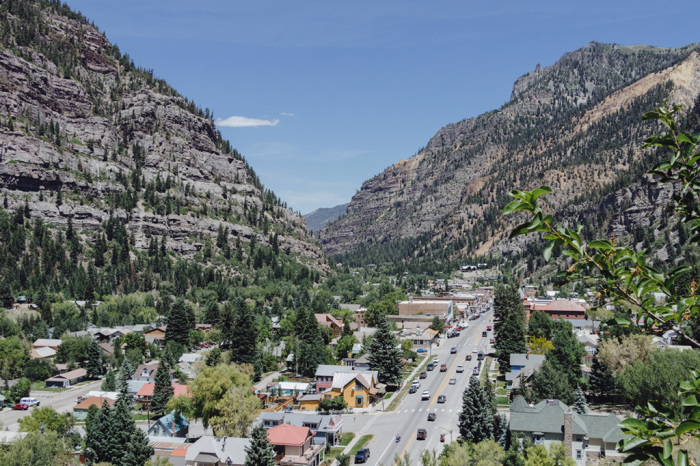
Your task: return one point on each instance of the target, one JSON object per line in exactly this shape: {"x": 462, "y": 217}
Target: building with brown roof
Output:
{"x": 556, "y": 308}
{"x": 294, "y": 446}
{"x": 327, "y": 320}
{"x": 66, "y": 379}
{"x": 81, "y": 409}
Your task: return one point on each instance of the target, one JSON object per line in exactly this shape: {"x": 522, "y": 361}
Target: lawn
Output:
{"x": 364, "y": 440}
{"x": 347, "y": 438}
{"x": 502, "y": 400}
{"x": 330, "y": 456}
{"x": 41, "y": 386}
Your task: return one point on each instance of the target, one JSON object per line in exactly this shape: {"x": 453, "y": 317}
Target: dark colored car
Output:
{"x": 442, "y": 399}
{"x": 432, "y": 416}
{"x": 362, "y": 456}
{"x": 453, "y": 350}
{"x": 431, "y": 366}
{"x": 412, "y": 389}
{"x": 468, "y": 358}
{"x": 19, "y": 406}
{"x": 423, "y": 375}
{"x": 421, "y": 434}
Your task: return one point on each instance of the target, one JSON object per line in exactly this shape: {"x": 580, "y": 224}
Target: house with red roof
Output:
{"x": 145, "y": 393}
{"x": 294, "y": 446}
{"x": 555, "y": 308}
{"x": 327, "y": 320}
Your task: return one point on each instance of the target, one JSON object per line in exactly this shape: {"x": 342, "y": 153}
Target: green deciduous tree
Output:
{"x": 548, "y": 382}
{"x": 259, "y": 452}
{"x": 45, "y": 418}
{"x": 384, "y": 354}
{"x": 37, "y": 449}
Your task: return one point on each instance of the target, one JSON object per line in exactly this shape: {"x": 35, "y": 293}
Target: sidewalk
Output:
{"x": 262, "y": 385}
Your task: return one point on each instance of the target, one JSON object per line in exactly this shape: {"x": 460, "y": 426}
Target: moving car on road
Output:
{"x": 453, "y": 381}
{"x": 425, "y": 395}
{"x": 453, "y": 350}
{"x": 423, "y": 375}
{"x": 432, "y": 416}
{"x": 412, "y": 389}
{"x": 416, "y": 383}
{"x": 421, "y": 434}
{"x": 468, "y": 358}
{"x": 460, "y": 368}
{"x": 442, "y": 399}
{"x": 443, "y": 368}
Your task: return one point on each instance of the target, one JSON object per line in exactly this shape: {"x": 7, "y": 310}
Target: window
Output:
{"x": 538, "y": 439}
{"x": 359, "y": 401}
{"x": 579, "y": 454}
{"x": 358, "y": 386}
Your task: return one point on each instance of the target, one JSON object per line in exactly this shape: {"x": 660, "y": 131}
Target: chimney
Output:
{"x": 568, "y": 432}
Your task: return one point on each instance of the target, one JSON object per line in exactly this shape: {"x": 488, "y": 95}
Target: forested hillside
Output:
{"x": 576, "y": 126}
{"x": 111, "y": 182}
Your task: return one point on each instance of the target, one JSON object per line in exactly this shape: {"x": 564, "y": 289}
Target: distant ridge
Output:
{"x": 323, "y": 216}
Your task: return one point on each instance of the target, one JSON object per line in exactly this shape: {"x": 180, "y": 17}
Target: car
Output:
{"x": 457, "y": 334}
{"x": 442, "y": 399}
{"x": 425, "y": 395}
{"x": 412, "y": 389}
{"x": 431, "y": 366}
{"x": 453, "y": 350}
{"x": 436, "y": 360}
{"x": 421, "y": 350}
{"x": 451, "y": 334}
{"x": 476, "y": 370}
{"x": 421, "y": 434}
{"x": 443, "y": 368}
{"x": 362, "y": 455}
{"x": 474, "y": 350}
{"x": 488, "y": 328}
{"x": 468, "y": 358}
{"x": 432, "y": 416}
{"x": 415, "y": 383}
{"x": 448, "y": 326}
{"x": 423, "y": 375}
{"x": 460, "y": 368}
{"x": 453, "y": 381}
{"x": 20, "y": 406}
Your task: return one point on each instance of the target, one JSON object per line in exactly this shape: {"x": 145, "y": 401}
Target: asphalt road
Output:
{"x": 413, "y": 412}
{"x": 62, "y": 402}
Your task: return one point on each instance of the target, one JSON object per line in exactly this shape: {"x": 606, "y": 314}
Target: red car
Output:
{"x": 19, "y": 406}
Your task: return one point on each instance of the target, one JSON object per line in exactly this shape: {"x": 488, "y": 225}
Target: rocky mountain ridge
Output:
{"x": 86, "y": 135}
{"x": 575, "y": 126}
{"x": 320, "y": 217}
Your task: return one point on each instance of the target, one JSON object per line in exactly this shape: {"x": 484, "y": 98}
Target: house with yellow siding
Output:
{"x": 358, "y": 389}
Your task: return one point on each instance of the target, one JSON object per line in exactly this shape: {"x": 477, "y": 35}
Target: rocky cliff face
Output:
{"x": 86, "y": 135}
{"x": 575, "y": 126}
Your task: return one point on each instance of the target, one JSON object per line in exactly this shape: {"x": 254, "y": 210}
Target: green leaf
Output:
{"x": 512, "y": 206}
{"x": 632, "y": 423}
{"x": 668, "y": 449}
{"x": 540, "y": 191}
{"x": 602, "y": 245}
{"x": 682, "y": 459}
{"x": 548, "y": 250}
{"x": 687, "y": 426}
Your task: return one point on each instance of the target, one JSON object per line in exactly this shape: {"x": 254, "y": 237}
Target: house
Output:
{"x": 145, "y": 393}
{"x": 324, "y": 375}
{"x": 106, "y": 347}
{"x": 47, "y": 343}
{"x": 294, "y": 446}
{"x": 108, "y": 335}
{"x": 585, "y": 436}
{"x": 81, "y": 409}
{"x": 358, "y": 389}
{"x": 362, "y": 363}
{"x": 327, "y": 320}
{"x": 66, "y": 379}
{"x": 327, "y": 429}
{"x": 43, "y": 353}
{"x": 424, "y": 339}
{"x": 187, "y": 362}
{"x": 147, "y": 373}
{"x": 555, "y": 308}
{"x": 217, "y": 451}
{"x": 205, "y": 328}
{"x": 428, "y": 308}
{"x": 169, "y": 425}
{"x": 522, "y": 366}
{"x": 173, "y": 448}
{"x": 156, "y": 335}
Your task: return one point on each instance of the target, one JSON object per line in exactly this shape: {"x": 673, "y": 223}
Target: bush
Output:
{"x": 332, "y": 404}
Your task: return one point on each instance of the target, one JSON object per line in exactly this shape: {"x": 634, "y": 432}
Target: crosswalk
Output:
{"x": 420, "y": 410}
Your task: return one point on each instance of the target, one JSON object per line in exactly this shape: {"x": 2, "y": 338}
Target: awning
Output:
{"x": 372, "y": 391}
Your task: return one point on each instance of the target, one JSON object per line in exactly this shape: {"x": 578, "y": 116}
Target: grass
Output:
{"x": 41, "y": 386}
{"x": 502, "y": 400}
{"x": 330, "y": 456}
{"x": 485, "y": 370}
{"x": 347, "y": 438}
{"x": 364, "y": 440}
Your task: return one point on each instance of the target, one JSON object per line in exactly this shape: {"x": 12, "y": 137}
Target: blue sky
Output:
{"x": 320, "y": 96}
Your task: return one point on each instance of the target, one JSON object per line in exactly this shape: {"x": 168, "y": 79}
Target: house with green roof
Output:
{"x": 585, "y": 436}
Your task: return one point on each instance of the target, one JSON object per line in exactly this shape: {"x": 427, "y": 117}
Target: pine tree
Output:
{"x": 109, "y": 383}
{"x": 244, "y": 333}
{"x": 475, "y": 419}
{"x": 259, "y": 452}
{"x": 384, "y": 354}
{"x": 163, "y": 389}
{"x": 580, "y": 403}
{"x": 123, "y": 381}
{"x": 94, "y": 363}
{"x": 601, "y": 381}
{"x": 509, "y": 325}
{"x": 98, "y": 436}
{"x": 179, "y": 324}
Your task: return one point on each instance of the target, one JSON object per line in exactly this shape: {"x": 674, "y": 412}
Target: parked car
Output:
{"x": 442, "y": 399}
{"x": 423, "y": 375}
{"x": 421, "y": 350}
{"x": 20, "y": 406}
{"x": 460, "y": 368}
{"x": 431, "y": 366}
{"x": 412, "y": 389}
{"x": 362, "y": 455}
{"x": 432, "y": 416}
{"x": 488, "y": 327}
{"x": 421, "y": 434}
{"x": 426, "y": 395}
{"x": 415, "y": 383}
{"x": 453, "y": 350}
{"x": 436, "y": 360}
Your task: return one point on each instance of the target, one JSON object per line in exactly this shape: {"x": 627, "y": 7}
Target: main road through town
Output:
{"x": 412, "y": 413}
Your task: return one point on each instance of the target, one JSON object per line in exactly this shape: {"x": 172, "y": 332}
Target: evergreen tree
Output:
{"x": 384, "y": 354}
{"x": 347, "y": 331}
{"x": 98, "y": 435}
{"x": 163, "y": 389}
{"x": 109, "y": 383}
{"x": 6, "y": 297}
{"x": 128, "y": 445}
{"x": 475, "y": 419}
{"x": 567, "y": 353}
{"x": 509, "y": 325}
{"x": 123, "y": 378}
{"x": 580, "y": 403}
{"x": 601, "y": 381}
{"x": 549, "y": 382}
{"x": 259, "y": 452}
{"x": 179, "y": 324}
{"x": 244, "y": 333}
{"x": 94, "y": 363}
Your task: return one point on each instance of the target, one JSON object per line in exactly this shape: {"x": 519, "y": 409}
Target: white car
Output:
{"x": 416, "y": 383}
{"x": 474, "y": 350}
{"x": 436, "y": 360}
{"x": 426, "y": 395}
{"x": 460, "y": 368}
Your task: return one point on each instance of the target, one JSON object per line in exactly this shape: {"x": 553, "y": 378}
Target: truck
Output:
{"x": 362, "y": 455}
{"x": 443, "y": 368}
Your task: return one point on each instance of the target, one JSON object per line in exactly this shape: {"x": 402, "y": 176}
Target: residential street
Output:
{"x": 413, "y": 412}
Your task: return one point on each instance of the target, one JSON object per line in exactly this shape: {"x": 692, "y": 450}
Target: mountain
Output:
{"x": 91, "y": 143}
{"x": 575, "y": 126}
{"x": 320, "y": 217}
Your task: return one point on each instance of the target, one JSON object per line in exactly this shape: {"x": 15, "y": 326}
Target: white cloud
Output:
{"x": 287, "y": 114}
{"x": 243, "y": 122}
